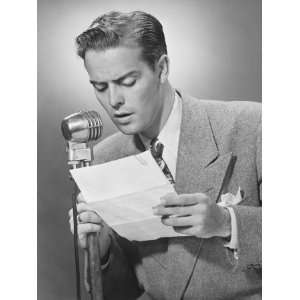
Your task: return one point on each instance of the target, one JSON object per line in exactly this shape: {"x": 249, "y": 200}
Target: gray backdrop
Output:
{"x": 215, "y": 52}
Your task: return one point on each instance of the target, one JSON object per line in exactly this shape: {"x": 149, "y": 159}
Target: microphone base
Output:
{"x": 78, "y": 153}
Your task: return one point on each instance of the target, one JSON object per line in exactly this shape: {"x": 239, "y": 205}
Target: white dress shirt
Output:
{"x": 169, "y": 137}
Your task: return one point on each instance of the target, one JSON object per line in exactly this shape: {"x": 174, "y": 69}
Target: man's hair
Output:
{"x": 115, "y": 29}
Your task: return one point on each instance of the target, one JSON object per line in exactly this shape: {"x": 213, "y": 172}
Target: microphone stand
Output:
{"x": 80, "y": 155}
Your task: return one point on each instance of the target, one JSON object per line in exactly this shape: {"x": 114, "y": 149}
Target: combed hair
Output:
{"x": 115, "y": 29}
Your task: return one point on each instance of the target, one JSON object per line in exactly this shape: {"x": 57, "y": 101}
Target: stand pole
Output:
{"x": 95, "y": 273}
{"x": 81, "y": 155}
{"x": 75, "y": 240}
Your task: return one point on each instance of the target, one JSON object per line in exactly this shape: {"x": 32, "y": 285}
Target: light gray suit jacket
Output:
{"x": 212, "y": 133}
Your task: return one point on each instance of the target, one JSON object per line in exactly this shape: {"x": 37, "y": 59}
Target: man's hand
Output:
{"x": 194, "y": 214}
{"x": 89, "y": 221}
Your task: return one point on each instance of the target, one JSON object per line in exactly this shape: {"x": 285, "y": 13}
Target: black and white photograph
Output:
{"x": 149, "y": 150}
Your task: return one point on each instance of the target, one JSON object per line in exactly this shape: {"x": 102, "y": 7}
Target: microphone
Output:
{"x": 78, "y": 130}
{"x": 82, "y": 127}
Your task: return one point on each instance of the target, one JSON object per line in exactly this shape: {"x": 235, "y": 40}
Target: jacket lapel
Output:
{"x": 200, "y": 168}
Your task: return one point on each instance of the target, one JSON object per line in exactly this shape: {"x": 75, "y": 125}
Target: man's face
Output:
{"x": 127, "y": 88}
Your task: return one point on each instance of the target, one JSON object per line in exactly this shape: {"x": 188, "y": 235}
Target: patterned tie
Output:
{"x": 157, "y": 148}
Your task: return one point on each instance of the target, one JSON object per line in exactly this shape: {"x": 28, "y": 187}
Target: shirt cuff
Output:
{"x": 233, "y": 243}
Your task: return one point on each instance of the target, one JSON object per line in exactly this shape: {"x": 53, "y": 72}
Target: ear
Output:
{"x": 163, "y": 68}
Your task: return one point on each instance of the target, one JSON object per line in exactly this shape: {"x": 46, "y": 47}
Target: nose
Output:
{"x": 116, "y": 98}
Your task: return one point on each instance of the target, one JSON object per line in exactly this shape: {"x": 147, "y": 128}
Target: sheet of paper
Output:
{"x": 124, "y": 191}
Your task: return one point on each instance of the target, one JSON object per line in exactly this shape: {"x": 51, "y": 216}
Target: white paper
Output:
{"x": 123, "y": 193}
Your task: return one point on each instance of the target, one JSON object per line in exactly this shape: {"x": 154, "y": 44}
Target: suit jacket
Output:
{"x": 215, "y": 136}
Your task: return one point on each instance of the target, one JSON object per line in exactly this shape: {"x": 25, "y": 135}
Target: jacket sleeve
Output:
{"x": 249, "y": 223}
{"x": 145, "y": 296}
{"x": 118, "y": 277}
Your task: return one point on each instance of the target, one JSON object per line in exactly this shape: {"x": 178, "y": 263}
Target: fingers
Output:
{"x": 85, "y": 228}
{"x": 80, "y": 198}
{"x": 82, "y": 241}
{"x": 183, "y": 199}
{"x": 180, "y": 221}
{"x": 81, "y": 207}
{"x": 81, "y": 237}
{"x": 175, "y": 210}
{"x": 83, "y": 231}
{"x": 89, "y": 217}
{"x": 181, "y": 205}
{"x": 86, "y": 217}
{"x": 70, "y": 213}
{"x": 71, "y": 222}
{"x": 188, "y": 230}
{"x": 87, "y": 221}
{"x": 186, "y": 213}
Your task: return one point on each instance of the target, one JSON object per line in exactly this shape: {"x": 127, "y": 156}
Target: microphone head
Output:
{"x": 82, "y": 127}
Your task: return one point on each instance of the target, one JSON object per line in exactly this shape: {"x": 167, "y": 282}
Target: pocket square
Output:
{"x": 229, "y": 199}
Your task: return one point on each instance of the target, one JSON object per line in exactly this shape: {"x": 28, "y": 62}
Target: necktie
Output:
{"x": 157, "y": 148}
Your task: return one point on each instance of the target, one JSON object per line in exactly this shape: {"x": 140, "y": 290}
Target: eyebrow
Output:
{"x": 131, "y": 73}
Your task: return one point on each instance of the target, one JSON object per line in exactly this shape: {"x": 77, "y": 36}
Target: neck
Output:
{"x": 167, "y": 101}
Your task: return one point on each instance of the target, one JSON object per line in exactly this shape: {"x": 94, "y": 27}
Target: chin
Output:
{"x": 129, "y": 129}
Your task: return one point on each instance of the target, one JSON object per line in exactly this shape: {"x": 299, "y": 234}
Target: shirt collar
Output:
{"x": 169, "y": 134}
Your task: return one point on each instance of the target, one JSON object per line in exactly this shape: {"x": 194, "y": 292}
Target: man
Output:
{"x": 213, "y": 151}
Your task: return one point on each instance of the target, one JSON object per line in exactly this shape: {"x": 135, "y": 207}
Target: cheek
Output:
{"x": 145, "y": 98}
{"x": 101, "y": 100}
{"x": 145, "y": 107}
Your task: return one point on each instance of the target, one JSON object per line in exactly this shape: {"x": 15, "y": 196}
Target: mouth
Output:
{"x": 122, "y": 115}
{"x": 122, "y": 118}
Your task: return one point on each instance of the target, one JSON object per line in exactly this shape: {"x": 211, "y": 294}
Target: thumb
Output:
{"x": 80, "y": 198}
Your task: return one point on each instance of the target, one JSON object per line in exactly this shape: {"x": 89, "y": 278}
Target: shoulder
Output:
{"x": 110, "y": 148}
{"x": 234, "y": 124}
{"x": 244, "y": 111}
{"x": 241, "y": 115}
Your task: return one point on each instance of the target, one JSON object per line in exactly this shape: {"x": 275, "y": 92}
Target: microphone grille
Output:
{"x": 94, "y": 124}
{"x": 82, "y": 127}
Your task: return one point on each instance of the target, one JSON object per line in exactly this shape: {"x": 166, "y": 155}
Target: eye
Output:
{"x": 128, "y": 81}
{"x": 100, "y": 87}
